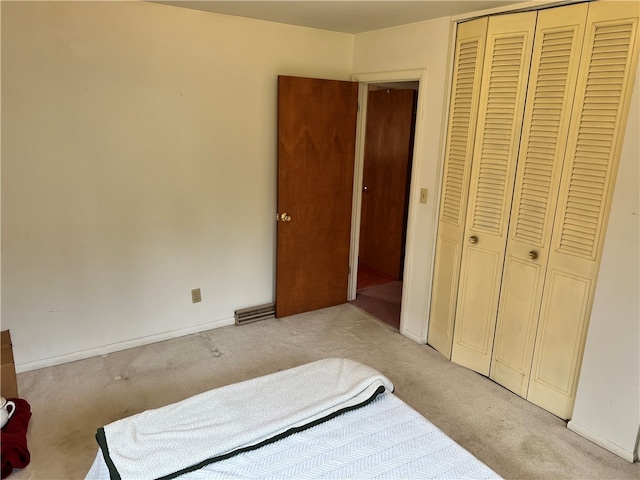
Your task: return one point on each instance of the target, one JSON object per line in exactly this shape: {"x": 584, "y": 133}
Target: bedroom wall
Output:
{"x": 417, "y": 46}
{"x": 607, "y": 404}
{"x": 138, "y": 163}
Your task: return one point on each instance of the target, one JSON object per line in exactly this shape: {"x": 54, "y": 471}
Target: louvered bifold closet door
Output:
{"x": 552, "y": 82}
{"x": 463, "y": 113}
{"x": 603, "y": 92}
{"x": 502, "y": 97}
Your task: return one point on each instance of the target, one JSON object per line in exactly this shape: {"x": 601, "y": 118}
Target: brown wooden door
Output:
{"x": 316, "y": 150}
{"x": 388, "y": 148}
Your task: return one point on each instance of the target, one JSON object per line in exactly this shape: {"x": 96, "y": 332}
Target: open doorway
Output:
{"x": 388, "y": 153}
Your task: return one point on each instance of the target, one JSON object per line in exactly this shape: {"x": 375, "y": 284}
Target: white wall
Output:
{"x": 607, "y": 407}
{"x": 417, "y": 46}
{"x": 139, "y": 162}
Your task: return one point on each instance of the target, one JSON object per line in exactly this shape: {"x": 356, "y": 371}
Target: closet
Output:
{"x": 538, "y": 106}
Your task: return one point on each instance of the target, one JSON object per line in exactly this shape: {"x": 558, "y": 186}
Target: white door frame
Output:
{"x": 364, "y": 79}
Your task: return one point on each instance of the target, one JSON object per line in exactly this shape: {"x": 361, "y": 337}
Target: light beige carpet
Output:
{"x": 515, "y": 438}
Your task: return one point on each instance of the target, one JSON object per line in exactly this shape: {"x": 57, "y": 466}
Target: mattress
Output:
{"x": 383, "y": 438}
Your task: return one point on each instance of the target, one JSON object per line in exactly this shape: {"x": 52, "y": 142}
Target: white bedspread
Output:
{"x": 385, "y": 439}
{"x": 186, "y": 435}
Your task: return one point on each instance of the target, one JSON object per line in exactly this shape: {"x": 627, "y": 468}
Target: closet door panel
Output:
{"x": 603, "y": 93}
{"x": 445, "y": 290}
{"x": 557, "y": 367}
{"x": 517, "y": 320}
{"x": 502, "y": 98}
{"x": 554, "y": 72}
{"x": 482, "y": 273}
{"x": 463, "y": 112}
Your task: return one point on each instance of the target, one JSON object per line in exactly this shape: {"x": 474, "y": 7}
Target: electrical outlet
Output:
{"x": 196, "y": 296}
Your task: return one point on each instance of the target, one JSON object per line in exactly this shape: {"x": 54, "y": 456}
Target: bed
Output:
{"x": 334, "y": 418}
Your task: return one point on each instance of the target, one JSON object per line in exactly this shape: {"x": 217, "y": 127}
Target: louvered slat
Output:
{"x": 497, "y": 135}
{"x": 458, "y": 144}
{"x": 538, "y": 161}
{"x": 595, "y": 136}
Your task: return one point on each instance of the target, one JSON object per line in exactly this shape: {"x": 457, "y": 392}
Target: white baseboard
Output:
{"x": 413, "y": 336}
{"x": 116, "y": 347}
{"x": 600, "y": 441}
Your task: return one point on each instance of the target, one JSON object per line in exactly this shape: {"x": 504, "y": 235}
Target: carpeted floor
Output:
{"x": 512, "y": 436}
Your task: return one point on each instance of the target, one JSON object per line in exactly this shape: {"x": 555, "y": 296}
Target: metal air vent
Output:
{"x": 253, "y": 314}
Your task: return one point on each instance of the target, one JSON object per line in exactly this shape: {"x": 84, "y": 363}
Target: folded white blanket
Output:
{"x": 187, "y": 435}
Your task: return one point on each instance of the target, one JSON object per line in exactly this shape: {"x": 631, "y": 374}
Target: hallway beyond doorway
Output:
{"x": 379, "y": 295}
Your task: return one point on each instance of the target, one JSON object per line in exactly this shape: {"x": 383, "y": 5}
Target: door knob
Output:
{"x": 473, "y": 239}
{"x": 365, "y": 189}
{"x": 285, "y": 217}
{"x": 533, "y": 254}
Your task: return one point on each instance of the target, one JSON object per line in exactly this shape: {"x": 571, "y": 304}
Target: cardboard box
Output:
{"x": 9, "y": 384}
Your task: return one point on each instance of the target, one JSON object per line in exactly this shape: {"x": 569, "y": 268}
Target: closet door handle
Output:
{"x": 533, "y": 254}
{"x": 473, "y": 239}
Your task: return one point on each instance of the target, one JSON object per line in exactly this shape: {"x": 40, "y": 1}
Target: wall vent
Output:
{"x": 253, "y": 314}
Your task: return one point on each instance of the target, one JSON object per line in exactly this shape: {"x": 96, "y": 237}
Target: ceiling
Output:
{"x": 341, "y": 16}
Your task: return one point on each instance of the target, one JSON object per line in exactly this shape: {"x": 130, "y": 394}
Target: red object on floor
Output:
{"x": 13, "y": 438}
